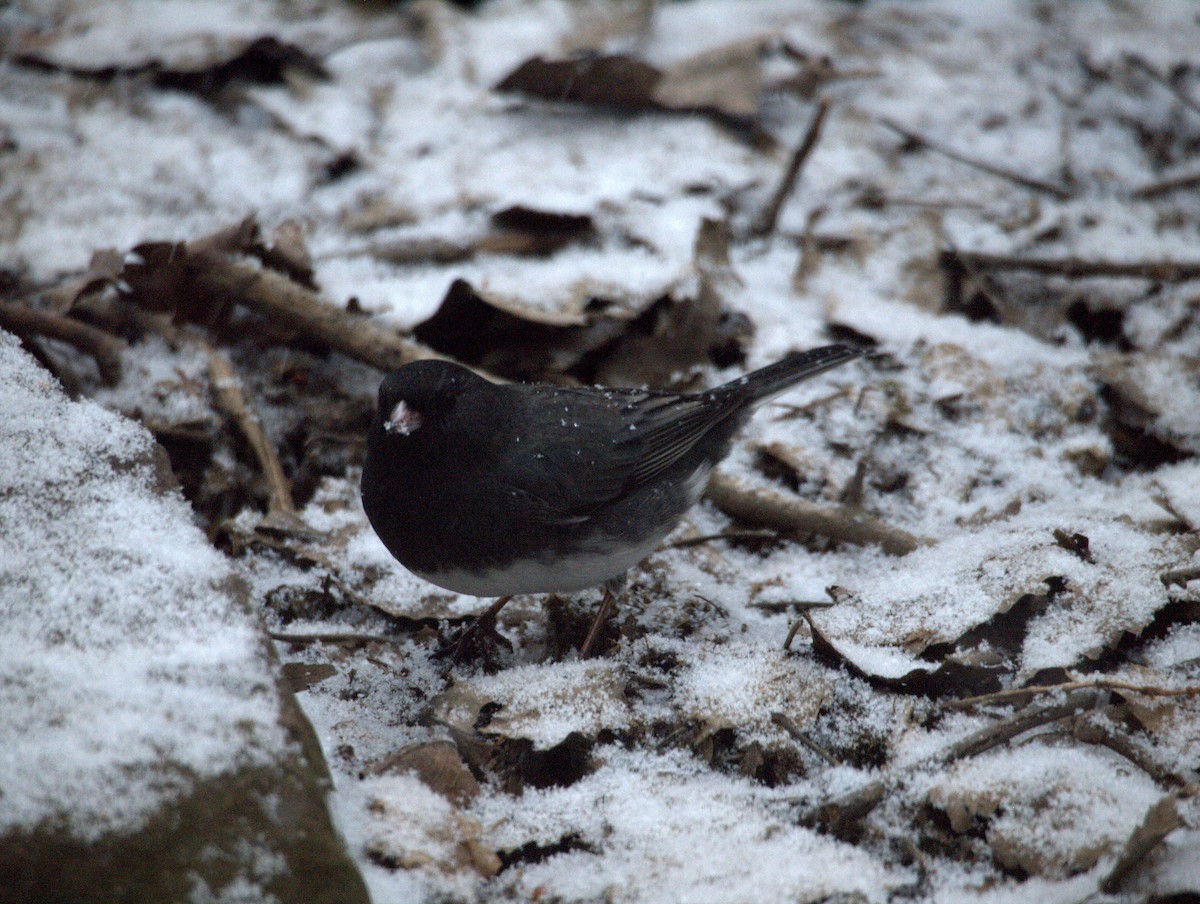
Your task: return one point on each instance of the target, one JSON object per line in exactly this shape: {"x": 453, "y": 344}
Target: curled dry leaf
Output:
{"x": 723, "y": 83}
{"x": 413, "y": 827}
{"x": 1153, "y": 399}
{"x": 1038, "y": 808}
{"x": 300, "y": 676}
{"x": 676, "y": 334}
{"x": 951, "y": 678}
{"x": 438, "y": 765}
{"x": 512, "y": 339}
{"x": 263, "y": 60}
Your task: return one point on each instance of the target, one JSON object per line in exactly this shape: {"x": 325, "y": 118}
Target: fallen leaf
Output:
{"x": 438, "y": 765}
{"x": 300, "y": 676}
{"x": 723, "y": 83}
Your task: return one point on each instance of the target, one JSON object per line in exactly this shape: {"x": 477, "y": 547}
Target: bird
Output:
{"x": 503, "y": 489}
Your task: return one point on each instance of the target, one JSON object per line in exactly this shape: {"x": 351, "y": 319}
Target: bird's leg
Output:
{"x": 611, "y": 589}
{"x": 480, "y": 622}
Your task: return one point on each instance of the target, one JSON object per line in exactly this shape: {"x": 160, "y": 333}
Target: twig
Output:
{"x": 103, "y": 348}
{"x": 1090, "y": 733}
{"x": 794, "y": 630}
{"x": 937, "y": 147}
{"x": 756, "y": 505}
{"x": 968, "y": 266}
{"x": 842, "y": 813}
{"x": 1166, "y": 186}
{"x": 232, "y": 401}
{"x": 1026, "y": 720}
{"x": 1162, "y": 270}
{"x": 278, "y": 298}
{"x": 1110, "y": 684}
{"x": 784, "y": 721}
{"x": 794, "y": 411}
{"x": 1182, "y": 96}
{"x": 732, "y": 536}
{"x": 1161, "y": 820}
{"x": 766, "y": 223}
{"x": 1180, "y": 576}
{"x": 334, "y": 637}
{"x": 779, "y": 608}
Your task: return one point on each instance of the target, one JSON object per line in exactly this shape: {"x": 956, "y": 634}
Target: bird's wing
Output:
{"x": 670, "y": 426}
{"x": 587, "y": 449}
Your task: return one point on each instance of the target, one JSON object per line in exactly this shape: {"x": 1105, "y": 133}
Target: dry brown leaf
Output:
{"x": 723, "y": 82}
{"x": 438, "y": 765}
{"x": 300, "y": 676}
{"x": 676, "y": 334}
{"x": 515, "y": 340}
{"x": 726, "y": 80}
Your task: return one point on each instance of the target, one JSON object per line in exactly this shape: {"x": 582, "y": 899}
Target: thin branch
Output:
{"x": 793, "y": 631}
{"x": 1111, "y": 684}
{"x": 1180, "y": 576}
{"x": 757, "y": 505}
{"x": 1166, "y": 185}
{"x": 766, "y": 223}
{"x": 1160, "y": 821}
{"x": 334, "y": 638}
{"x": 784, "y": 721}
{"x": 283, "y": 301}
{"x": 1089, "y": 732}
{"x": 842, "y": 813}
{"x": 103, "y": 348}
{"x": 793, "y": 411}
{"x": 1160, "y": 270}
{"x": 231, "y": 400}
{"x": 1182, "y": 96}
{"x": 993, "y": 169}
{"x": 731, "y": 536}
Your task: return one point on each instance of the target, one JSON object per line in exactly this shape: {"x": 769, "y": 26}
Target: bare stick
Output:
{"x": 1162, "y": 270}
{"x": 1179, "y": 576}
{"x": 784, "y": 721}
{"x": 1111, "y": 684}
{"x": 606, "y": 607}
{"x": 791, "y": 513}
{"x": 766, "y": 223}
{"x": 478, "y": 624}
{"x": 345, "y": 639}
{"x": 283, "y": 301}
{"x": 232, "y": 401}
{"x": 103, "y": 348}
{"x": 1166, "y": 186}
{"x": 993, "y": 169}
{"x": 1182, "y": 96}
{"x": 1161, "y": 820}
{"x": 1089, "y": 732}
{"x": 842, "y": 813}
{"x": 730, "y": 536}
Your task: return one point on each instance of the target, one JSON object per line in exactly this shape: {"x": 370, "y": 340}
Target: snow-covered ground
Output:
{"x": 1037, "y": 433}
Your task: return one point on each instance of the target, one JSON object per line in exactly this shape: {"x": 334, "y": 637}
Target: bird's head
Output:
{"x": 421, "y": 401}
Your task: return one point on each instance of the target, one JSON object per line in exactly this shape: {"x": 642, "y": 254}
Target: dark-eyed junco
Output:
{"x": 498, "y": 490}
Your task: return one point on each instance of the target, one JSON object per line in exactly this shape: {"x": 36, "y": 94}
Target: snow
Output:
{"x": 122, "y": 648}
{"x": 671, "y": 830}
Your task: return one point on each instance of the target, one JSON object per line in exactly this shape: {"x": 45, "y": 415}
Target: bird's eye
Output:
{"x": 402, "y": 419}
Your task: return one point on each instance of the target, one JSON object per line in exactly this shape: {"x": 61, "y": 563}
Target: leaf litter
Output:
{"x": 1029, "y": 422}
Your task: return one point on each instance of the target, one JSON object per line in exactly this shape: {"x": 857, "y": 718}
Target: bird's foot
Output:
{"x": 607, "y": 605}
{"x": 479, "y": 640}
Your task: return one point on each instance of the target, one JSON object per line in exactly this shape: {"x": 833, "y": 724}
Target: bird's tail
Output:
{"x": 773, "y": 379}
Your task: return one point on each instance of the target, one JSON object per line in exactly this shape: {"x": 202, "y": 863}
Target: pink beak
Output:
{"x": 402, "y": 420}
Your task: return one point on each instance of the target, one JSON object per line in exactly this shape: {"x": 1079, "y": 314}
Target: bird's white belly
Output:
{"x": 561, "y": 575}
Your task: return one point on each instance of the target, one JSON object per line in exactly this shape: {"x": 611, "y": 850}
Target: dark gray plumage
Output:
{"x": 496, "y": 490}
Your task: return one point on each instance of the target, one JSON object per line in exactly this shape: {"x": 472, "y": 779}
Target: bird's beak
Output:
{"x": 402, "y": 420}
